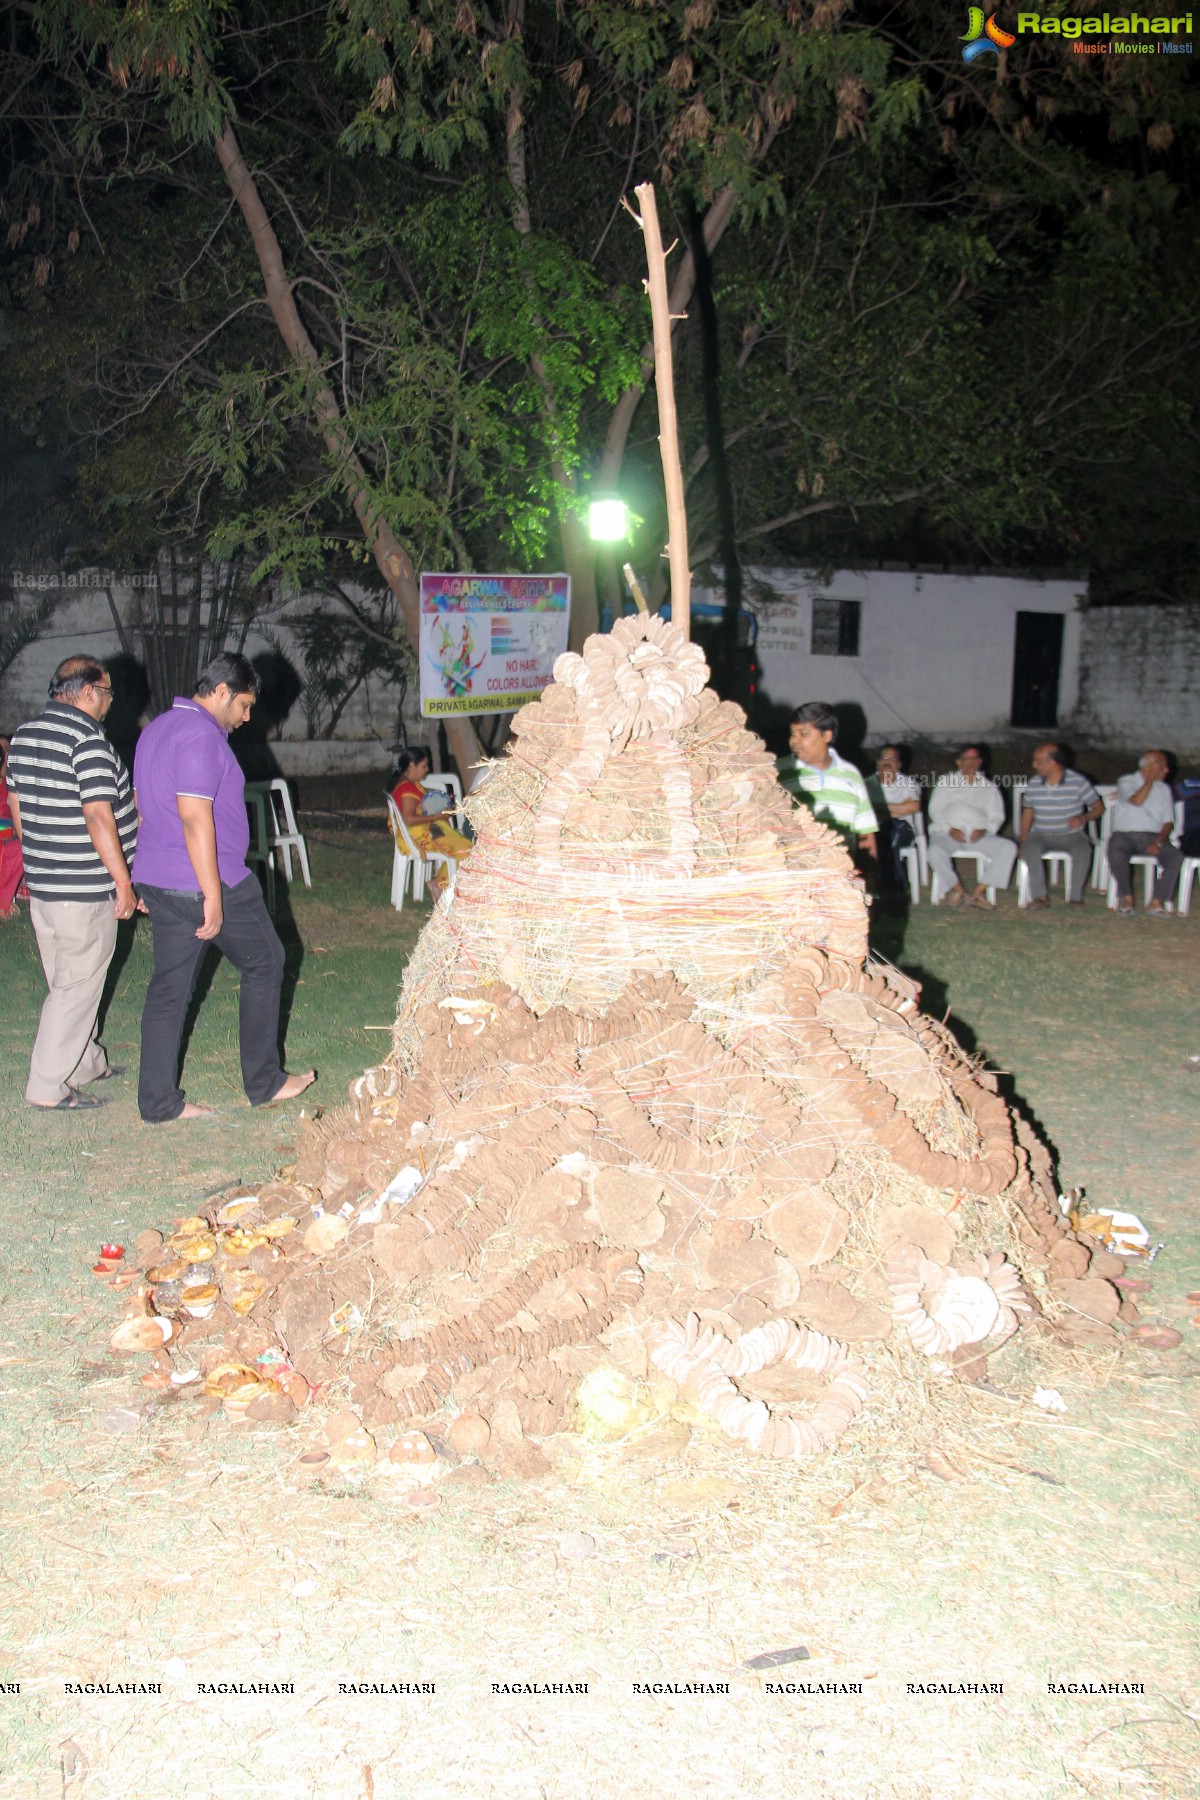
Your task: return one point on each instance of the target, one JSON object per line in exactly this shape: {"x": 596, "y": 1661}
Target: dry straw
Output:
{"x": 642, "y": 1074}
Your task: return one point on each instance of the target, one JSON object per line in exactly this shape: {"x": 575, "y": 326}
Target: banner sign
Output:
{"x": 488, "y": 642}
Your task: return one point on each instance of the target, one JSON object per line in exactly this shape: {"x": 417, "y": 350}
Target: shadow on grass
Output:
{"x": 890, "y": 918}
{"x": 126, "y": 934}
{"x": 889, "y": 928}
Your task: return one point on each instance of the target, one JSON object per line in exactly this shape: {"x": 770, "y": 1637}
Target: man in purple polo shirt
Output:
{"x": 190, "y": 870}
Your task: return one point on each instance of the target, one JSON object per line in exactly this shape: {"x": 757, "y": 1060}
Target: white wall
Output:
{"x": 82, "y": 621}
{"x": 935, "y": 658}
{"x": 935, "y": 650}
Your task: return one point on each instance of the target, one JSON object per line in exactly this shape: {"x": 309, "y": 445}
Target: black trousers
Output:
{"x": 895, "y": 836}
{"x": 250, "y": 941}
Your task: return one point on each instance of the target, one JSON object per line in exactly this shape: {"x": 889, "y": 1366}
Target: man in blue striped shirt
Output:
{"x": 1056, "y": 810}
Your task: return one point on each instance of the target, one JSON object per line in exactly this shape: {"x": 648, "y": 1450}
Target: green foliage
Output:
{"x": 168, "y": 52}
{"x": 937, "y": 302}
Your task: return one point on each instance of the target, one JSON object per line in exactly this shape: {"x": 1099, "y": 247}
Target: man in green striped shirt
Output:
{"x": 816, "y": 776}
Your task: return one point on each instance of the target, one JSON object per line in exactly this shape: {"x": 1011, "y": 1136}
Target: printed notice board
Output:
{"x": 488, "y": 642}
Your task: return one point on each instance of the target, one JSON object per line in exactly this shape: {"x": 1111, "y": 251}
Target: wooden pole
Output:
{"x": 668, "y": 432}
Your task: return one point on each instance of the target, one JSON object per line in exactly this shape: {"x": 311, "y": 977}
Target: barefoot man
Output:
{"x": 190, "y": 870}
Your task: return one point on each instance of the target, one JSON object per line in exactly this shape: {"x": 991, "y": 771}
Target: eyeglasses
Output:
{"x": 102, "y": 687}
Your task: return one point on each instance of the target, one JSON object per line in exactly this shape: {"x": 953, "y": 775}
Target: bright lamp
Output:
{"x": 607, "y": 521}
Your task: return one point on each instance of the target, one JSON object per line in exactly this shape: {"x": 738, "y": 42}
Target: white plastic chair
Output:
{"x": 966, "y": 854}
{"x": 1149, "y": 867}
{"x": 1017, "y": 791}
{"x": 285, "y": 834}
{"x": 408, "y": 859}
{"x": 261, "y": 849}
{"x": 1187, "y": 874}
{"x": 915, "y": 858}
{"x": 1057, "y": 861}
{"x": 1102, "y": 833}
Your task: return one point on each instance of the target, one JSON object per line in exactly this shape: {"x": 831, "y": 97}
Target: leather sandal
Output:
{"x": 72, "y": 1102}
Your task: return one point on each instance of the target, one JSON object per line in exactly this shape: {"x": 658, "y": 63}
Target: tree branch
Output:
{"x": 393, "y": 561}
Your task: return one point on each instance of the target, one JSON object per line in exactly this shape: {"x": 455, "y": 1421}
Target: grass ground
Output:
{"x": 185, "y": 1552}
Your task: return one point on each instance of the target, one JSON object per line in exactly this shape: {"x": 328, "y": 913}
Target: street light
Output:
{"x": 607, "y": 523}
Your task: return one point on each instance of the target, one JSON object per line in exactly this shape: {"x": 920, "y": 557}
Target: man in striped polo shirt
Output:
{"x": 74, "y": 810}
{"x": 831, "y": 788}
{"x": 1056, "y": 809}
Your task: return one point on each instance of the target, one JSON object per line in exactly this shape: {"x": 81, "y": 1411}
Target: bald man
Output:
{"x": 74, "y": 811}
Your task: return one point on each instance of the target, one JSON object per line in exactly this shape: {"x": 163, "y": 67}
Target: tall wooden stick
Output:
{"x": 668, "y": 432}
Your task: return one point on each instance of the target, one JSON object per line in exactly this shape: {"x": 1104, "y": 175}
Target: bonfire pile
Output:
{"x": 649, "y": 1107}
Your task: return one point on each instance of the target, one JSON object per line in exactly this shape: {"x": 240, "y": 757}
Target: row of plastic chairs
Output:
{"x": 274, "y": 833}
{"x": 916, "y": 859}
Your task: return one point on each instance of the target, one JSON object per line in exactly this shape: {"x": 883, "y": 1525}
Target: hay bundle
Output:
{"x": 647, "y": 1097}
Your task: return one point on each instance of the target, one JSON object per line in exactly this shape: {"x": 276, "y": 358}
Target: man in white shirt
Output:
{"x": 966, "y": 812}
{"x": 1143, "y": 814}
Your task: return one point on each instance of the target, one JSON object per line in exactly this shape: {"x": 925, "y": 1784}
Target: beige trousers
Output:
{"x": 75, "y": 939}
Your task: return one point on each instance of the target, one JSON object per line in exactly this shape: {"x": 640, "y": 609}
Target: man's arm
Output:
{"x": 1165, "y": 828}
{"x": 106, "y": 841}
{"x": 200, "y": 841}
{"x": 1088, "y": 817}
{"x": 865, "y": 823}
{"x": 14, "y": 806}
{"x": 1026, "y": 823}
{"x": 995, "y": 811}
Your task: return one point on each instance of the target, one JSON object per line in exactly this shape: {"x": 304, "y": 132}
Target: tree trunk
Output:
{"x": 394, "y": 563}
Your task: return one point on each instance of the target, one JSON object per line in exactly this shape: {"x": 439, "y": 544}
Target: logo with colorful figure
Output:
{"x": 453, "y": 661}
{"x": 983, "y": 35}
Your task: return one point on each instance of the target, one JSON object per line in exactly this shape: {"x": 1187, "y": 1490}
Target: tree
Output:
{"x": 434, "y": 318}
{"x": 184, "y": 612}
{"x": 341, "y": 651}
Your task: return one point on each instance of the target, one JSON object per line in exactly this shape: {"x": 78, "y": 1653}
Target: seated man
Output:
{"x": 966, "y": 812}
{"x": 816, "y": 776}
{"x": 1143, "y": 815}
{"x": 1056, "y": 809}
{"x": 896, "y": 798}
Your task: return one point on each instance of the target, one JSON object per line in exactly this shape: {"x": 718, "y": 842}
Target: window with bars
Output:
{"x": 835, "y": 627}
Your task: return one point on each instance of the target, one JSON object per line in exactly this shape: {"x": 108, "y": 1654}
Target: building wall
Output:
{"x": 935, "y": 650}
{"x": 935, "y": 658}
{"x": 82, "y": 621}
{"x": 1140, "y": 678}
